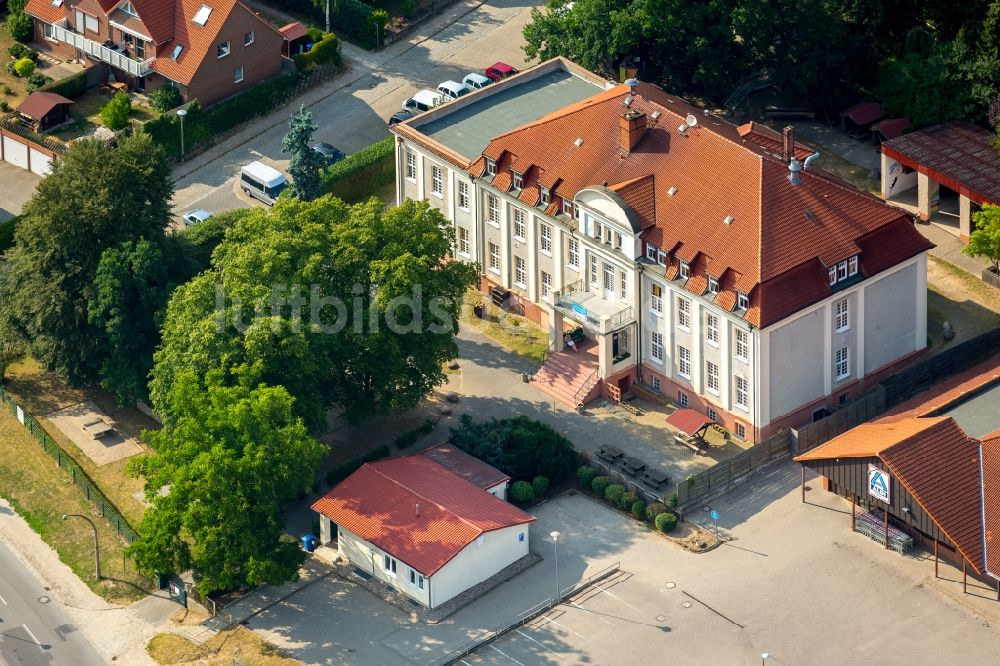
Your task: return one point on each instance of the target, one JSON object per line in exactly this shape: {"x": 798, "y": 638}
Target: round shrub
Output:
{"x": 540, "y": 485}
{"x": 24, "y": 67}
{"x": 613, "y": 493}
{"x": 166, "y": 97}
{"x": 522, "y": 492}
{"x": 627, "y": 500}
{"x": 115, "y": 113}
{"x": 639, "y": 510}
{"x": 655, "y": 509}
{"x": 586, "y": 475}
{"x": 600, "y": 484}
{"x": 666, "y": 522}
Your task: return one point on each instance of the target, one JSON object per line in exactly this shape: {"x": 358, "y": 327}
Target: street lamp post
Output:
{"x": 764, "y": 656}
{"x": 97, "y": 550}
{"x": 180, "y": 114}
{"x": 555, "y": 544}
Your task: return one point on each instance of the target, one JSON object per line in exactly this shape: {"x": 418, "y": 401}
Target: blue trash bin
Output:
{"x": 309, "y": 542}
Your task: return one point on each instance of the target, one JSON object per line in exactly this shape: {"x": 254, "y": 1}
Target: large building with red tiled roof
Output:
{"x": 421, "y": 527}
{"x": 211, "y": 49}
{"x": 718, "y": 265}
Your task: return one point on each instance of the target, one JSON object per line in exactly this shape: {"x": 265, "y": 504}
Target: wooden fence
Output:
{"x": 854, "y": 413}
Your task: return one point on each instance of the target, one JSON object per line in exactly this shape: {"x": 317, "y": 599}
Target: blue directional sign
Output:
{"x": 714, "y": 514}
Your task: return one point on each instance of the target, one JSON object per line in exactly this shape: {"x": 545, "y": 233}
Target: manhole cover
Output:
{"x": 685, "y": 604}
{"x": 706, "y": 508}
{"x": 671, "y": 585}
{"x": 43, "y": 599}
{"x": 661, "y": 618}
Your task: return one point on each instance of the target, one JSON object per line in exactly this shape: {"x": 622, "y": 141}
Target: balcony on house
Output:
{"x": 590, "y": 310}
{"x": 106, "y": 54}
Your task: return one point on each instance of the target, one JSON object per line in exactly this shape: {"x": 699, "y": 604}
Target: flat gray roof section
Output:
{"x": 468, "y": 130}
{"x": 978, "y": 415}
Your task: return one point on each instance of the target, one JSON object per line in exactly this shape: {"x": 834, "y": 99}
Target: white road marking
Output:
{"x": 548, "y": 619}
{"x": 544, "y": 646}
{"x": 618, "y": 598}
{"x": 465, "y": 662}
{"x": 599, "y": 617}
{"x": 507, "y": 655}
{"x": 4, "y": 601}
{"x": 37, "y": 642}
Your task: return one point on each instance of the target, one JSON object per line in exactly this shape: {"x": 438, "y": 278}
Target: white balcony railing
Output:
{"x": 101, "y": 52}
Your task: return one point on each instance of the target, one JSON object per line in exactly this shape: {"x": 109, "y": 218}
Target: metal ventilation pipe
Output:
{"x": 794, "y": 167}
{"x": 809, "y": 160}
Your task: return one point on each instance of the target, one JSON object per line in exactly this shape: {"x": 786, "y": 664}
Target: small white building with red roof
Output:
{"x": 422, "y": 528}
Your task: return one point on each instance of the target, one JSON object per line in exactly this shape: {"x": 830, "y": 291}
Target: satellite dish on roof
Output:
{"x": 691, "y": 120}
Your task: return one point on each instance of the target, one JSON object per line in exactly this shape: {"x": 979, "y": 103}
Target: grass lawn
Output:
{"x": 41, "y": 393}
{"x": 953, "y": 295}
{"x": 232, "y": 646}
{"x": 18, "y": 86}
{"x": 514, "y": 333}
{"x": 86, "y": 114}
{"x": 41, "y": 493}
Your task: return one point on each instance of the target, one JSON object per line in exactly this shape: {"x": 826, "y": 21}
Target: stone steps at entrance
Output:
{"x": 567, "y": 373}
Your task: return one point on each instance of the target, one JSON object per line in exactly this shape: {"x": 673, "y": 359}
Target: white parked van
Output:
{"x": 425, "y": 100}
{"x": 477, "y": 81}
{"x": 262, "y": 182}
{"x": 453, "y": 89}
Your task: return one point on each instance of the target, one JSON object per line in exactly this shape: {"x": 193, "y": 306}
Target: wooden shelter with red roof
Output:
{"x": 211, "y": 49}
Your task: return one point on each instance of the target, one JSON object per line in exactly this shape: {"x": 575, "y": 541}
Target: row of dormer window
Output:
{"x": 654, "y": 253}
{"x": 517, "y": 178}
{"x": 842, "y": 271}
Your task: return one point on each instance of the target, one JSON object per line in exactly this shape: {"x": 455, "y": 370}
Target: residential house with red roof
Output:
{"x": 212, "y": 49}
{"x": 426, "y": 530}
{"x": 717, "y": 265}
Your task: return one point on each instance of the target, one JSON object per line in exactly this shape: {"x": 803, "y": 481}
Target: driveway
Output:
{"x": 16, "y": 187}
{"x": 350, "y": 110}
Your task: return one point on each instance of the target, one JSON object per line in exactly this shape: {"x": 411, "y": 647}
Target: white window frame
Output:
{"x": 842, "y": 363}
{"x": 618, "y": 241}
{"x": 463, "y": 241}
{"x": 682, "y": 398}
{"x": 742, "y": 344}
{"x": 389, "y": 564}
{"x": 742, "y": 390}
{"x": 685, "y": 270}
{"x": 712, "y": 329}
{"x": 713, "y": 285}
{"x": 545, "y": 239}
{"x": 656, "y": 383}
{"x": 852, "y": 266}
{"x": 842, "y": 271}
{"x": 573, "y": 253}
{"x": 543, "y": 195}
{"x": 741, "y": 430}
{"x": 91, "y": 23}
{"x": 656, "y": 346}
{"x": 416, "y": 579}
{"x": 546, "y": 281}
{"x": 684, "y": 362}
{"x": 494, "y": 251}
{"x": 661, "y": 257}
{"x": 437, "y": 180}
{"x": 656, "y": 299}
{"x": 832, "y": 274}
{"x": 683, "y": 313}
{"x": 742, "y": 300}
{"x": 238, "y": 74}
{"x": 609, "y": 278}
{"x": 519, "y": 226}
{"x": 567, "y": 206}
{"x": 651, "y": 251}
{"x": 491, "y": 167}
{"x": 463, "y": 195}
{"x": 842, "y": 315}
{"x": 223, "y": 49}
{"x": 623, "y": 286}
{"x": 248, "y": 38}
{"x": 411, "y": 166}
{"x": 520, "y": 272}
{"x": 493, "y": 208}
{"x": 712, "y": 414}
{"x": 712, "y": 377}
{"x": 518, "y": 180}
{"x": 595, "y": 278}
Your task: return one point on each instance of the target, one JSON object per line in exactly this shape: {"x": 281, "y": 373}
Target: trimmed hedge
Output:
{"x": 639, "y": 510}
{"x": 600, "y": 484}
{"x": 355, "y": 178}
{"x": 613, "y": 493}
{"x": 71, "y": 87}
{"x": 655, "y": 509}
{"x": 627, "y": 500}
{"x": 586, "y": 475}
{"x": 666, "y": 522}
{"x": 540, "y": 484}
{"x": 522, "y": 492}
{"x": 7, "y": 233}
{"x": 324, "y": 52}
{"x": 338, "y": 474}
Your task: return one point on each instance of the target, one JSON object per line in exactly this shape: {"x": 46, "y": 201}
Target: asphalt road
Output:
{"x": 34, "y": 628}
{"x": 352, "y": 114}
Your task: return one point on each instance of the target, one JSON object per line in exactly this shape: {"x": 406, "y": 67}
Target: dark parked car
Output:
{"x": 399, "y": 117}
{"x": 330, "y": 154}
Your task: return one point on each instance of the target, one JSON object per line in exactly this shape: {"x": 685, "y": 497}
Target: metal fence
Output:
{"x": 521, "y": 618}
{"x": 66, "y": 462}
{"x": 718, "y": 477}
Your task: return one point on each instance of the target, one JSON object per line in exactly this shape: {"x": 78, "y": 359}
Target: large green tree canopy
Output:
{"x": 98, "y": 198}
{"x": 232, "y": 456}
{"x": 349, "y": 306}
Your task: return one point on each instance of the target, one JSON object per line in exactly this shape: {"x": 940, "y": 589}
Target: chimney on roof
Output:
{"x": 788, "y": 149}
{"x": 418, "y": 511}
{"x": 632, "y": 126}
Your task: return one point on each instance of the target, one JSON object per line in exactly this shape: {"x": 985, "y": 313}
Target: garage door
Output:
{"x": 15, "y": 153}
{"x": 40, "y": 163}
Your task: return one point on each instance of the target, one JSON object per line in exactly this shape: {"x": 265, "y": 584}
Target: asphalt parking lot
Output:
{"x": 16, "y": 187}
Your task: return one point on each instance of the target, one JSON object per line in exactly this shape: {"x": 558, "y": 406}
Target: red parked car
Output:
{"x": 500, "y": 70}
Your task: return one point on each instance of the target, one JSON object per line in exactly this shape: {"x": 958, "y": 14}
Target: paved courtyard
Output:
{"x": 16, "y": 187}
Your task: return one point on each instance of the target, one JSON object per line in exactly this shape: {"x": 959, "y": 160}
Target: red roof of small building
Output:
{"x": 959, "y": 151}
{"x": 991, "y": 499}
{"x": 38, "y": 104}
{"x": 720, "y": 172}
{"x": 891, "y": 127}
{"x": 470, "y": 468}
{"x": 688, "y": 421}
{"x": 292, "y": 31}
{"x": 416, "y": 510}
{"x": 863, "y": 113}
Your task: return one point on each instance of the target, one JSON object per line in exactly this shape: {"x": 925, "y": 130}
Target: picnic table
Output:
{"x": 654, "y": 477}
{"x": 609, "y": 453}
{"x": 632, "y": 465}
{"x": 97, "y": 428}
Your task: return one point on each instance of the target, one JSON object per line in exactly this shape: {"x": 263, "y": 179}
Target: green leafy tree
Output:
{"x": 19, "y": 25}
{"x": 233, "y": 455}
{"x": 12, "y": 345}
{"x": 115, "y": 113}
{"x": 96, "y": 198}
{"x": 131, "y": 288}
{"x": 925, "y": 89}
{"x": 378, "y": 18}
{"x": 520, "y": 446}
{"x": 985, "y": 240}
{"x": 166, "y": 97}
{"x": 307, "y": 183}
{"x": 347, "y": 306}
